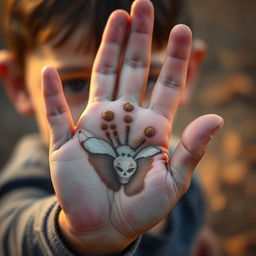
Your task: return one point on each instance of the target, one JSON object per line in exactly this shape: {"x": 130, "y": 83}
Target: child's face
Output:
{"x": 74, "y": 68}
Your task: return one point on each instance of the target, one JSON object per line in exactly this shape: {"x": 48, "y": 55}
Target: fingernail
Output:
{"x": 214, "y": 130}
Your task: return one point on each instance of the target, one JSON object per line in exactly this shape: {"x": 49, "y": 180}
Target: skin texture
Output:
{"x": 93, "y": 210}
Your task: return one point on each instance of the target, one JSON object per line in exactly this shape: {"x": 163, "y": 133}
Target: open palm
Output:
{"x": 111, "y": 173}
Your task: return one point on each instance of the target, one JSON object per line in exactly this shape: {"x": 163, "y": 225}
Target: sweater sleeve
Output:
{"x": 28, "y": 207}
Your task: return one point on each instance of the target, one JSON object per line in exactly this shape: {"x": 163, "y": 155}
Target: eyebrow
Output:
{"x": 73, "y": 69}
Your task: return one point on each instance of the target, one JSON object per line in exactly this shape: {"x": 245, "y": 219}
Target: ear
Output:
{"x": 197, "y": 55}
{"x": 13, "y": 81}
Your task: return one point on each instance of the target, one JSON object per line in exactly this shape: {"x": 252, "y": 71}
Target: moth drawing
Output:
{"x": 124, "y": 157}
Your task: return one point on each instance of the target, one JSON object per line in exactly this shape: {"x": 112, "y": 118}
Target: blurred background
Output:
{"x": 226, "y": 87}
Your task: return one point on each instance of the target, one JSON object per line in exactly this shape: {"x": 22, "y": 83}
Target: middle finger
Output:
{"x": 135, "y": 67}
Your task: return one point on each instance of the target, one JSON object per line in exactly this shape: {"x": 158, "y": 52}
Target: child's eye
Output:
{"x": 76, "y": 90}
{"x": 75, "y": 86}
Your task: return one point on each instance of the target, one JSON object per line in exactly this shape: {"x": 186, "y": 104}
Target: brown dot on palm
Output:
{"x": 109, "y": 116}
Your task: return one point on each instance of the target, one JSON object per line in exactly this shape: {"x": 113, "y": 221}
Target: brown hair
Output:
{"x": 27, "y": 23}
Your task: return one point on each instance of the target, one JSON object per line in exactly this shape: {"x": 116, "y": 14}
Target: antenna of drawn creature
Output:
{"x": 141, "y": 142}
{"x": 116, "y": 136}
{"x": 127, "y": 133}
{"x": 109, "y": 138}
{"x": 118, "y": 142}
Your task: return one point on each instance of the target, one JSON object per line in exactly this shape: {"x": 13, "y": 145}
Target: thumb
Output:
{"x": 192, "y": 146}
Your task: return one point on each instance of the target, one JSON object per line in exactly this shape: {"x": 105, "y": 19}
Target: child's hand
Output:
{"x": 111, "y": 173}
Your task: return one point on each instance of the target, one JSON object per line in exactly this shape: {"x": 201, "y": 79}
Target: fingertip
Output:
{"x": 116, "y": 27}
{"x": 182, "y": 27}
{"x": 119, "y": 14}
{"x": 206, "y": 122}
{"x": 142, "y": 6}
{"x": 45, "y": 69}
{"x": 50, "y": 80}
{"x": 200, "y": 131}
{"x": 120, "y": 17}
{"x": 142, "y": 3}
{"x": 142, "y": 16}
{"x": 181, "y": 32}
{"x": 46, "y": 75}
{"x": 218, "y": 119}
{"x": 48, "y": 72}
{"x": 180, "y": 42}
{"x": 209, "y": 121}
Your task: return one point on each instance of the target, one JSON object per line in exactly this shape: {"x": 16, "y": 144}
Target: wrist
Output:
{"x": 110, "y": 242}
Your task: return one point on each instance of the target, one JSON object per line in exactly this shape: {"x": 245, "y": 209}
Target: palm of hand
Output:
{"x": 118, "y": 157}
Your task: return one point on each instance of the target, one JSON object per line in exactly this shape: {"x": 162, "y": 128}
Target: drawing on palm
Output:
{"x": 124, "y": 158}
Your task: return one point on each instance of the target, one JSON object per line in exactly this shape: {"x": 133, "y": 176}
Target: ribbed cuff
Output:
{"x": 47, "y": 229}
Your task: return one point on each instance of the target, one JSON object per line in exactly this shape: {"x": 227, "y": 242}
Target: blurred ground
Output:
{"x": 226, "y": 87}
